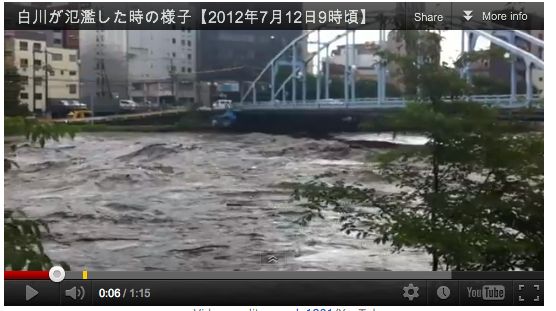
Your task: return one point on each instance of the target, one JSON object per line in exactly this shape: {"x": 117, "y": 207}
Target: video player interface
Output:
{"x": 274, "y": 154}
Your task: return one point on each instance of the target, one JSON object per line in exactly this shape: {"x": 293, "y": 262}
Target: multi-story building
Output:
{"x": 499, "y": 69}
{"x": 162, "y": 65}
{"x": 174, "y": 67}
{"x": 147, "y": 66}
{"x": 231, "y": 59}
{"x": 63, "y": 75}
{"x": 366, "y": 62}
{"x": 396, "y": 44}
{"x": 47, "y": 73}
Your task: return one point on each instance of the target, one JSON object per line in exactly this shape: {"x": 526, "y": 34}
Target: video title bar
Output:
{"x": 273, "y": 16}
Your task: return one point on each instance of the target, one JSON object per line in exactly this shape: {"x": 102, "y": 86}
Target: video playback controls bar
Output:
{"x": 460, "y": 289}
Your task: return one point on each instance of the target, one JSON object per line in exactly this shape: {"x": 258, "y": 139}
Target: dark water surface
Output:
{"x": 182, "y": 201}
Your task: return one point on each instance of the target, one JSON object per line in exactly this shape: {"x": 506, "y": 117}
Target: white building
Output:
{"x": 63, "y": 76}
{"x": 156, "y": 65}
{"x": 31, "y": 58}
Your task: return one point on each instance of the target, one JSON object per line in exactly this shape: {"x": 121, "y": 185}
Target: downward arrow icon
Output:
{"x": 467, "y": 15}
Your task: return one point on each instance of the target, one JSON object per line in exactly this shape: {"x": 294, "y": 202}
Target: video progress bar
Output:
{"x": 304, "y": 275}
{"x": 258, "y": 275}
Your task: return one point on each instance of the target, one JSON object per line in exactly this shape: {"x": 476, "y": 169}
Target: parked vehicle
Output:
{"x": 128, "y": 104}
{"x": 79, "y": 114}
{"x": 222, "y": 104}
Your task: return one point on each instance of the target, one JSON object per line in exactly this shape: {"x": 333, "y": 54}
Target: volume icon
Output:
{"x": 76, "y": 293}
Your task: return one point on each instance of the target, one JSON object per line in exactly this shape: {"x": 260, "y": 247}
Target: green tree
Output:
{"x": 23, "y": 248}
{"x": 363, "y": 88}
{"x": 472, "y": 197}
{"x": 12, "y": 88}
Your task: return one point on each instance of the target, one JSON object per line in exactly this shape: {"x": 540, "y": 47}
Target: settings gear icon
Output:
{"x": 411, "y": 292}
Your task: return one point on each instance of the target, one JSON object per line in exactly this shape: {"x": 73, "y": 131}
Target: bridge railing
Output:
{"x": 502, "y": 101}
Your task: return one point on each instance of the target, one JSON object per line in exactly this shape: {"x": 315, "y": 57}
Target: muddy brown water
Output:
{"x": 203, "y": 202}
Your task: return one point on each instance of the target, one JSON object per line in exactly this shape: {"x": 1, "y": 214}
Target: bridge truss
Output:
{"x": 292, "y": 57}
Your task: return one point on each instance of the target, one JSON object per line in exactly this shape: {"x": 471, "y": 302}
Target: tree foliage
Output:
{"x": 37, "y": 131}
{"x": 472, "y": 197}
{"x": 23, "y": 248}
{"x": 363, "y": 88}
{"x": 12, "y": 88}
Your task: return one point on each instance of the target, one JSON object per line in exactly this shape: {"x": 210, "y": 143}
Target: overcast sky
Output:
{"x": 451, "y": 44}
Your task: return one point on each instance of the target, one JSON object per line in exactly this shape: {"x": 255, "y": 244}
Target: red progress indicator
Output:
{"x": 26, "y": 275}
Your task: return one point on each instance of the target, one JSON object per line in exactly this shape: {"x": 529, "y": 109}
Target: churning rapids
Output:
{"x": 203, "y": 202}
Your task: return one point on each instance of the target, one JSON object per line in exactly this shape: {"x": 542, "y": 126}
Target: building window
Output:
{"x": 23, "y": 45}
{"x": 57, "y": 41}
{"x": 57, "y": 57}
{"x": 189, "y": 69}
{"x": 23, "y": 62}
{"x": 183, "y": 42}
{"x": 72, "y": 73}
{"x": 188, "y": 43}
{"x": 61, "y": 72}
{"x": 36, "y": 46}
{"x": 8, "y": 53}
{"x": 174, "y": 40}
{"x": 73, "y": 58}
{"x": 182, "y": 69}
{"x": 38, "y": 95}
{"x": 72, "y": 89}
{"x": 189, "y": 56}
{"x": 173, "y": 54}
{"x": 37, "y": 62}
{"x": 23, "y": 95}
{"x": 24, "y": 80}
{"x": 38, "y": 81}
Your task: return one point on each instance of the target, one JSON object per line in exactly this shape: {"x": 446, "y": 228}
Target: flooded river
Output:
{"x": 203, "y": 202}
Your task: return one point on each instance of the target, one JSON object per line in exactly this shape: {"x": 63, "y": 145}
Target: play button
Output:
{"x": 30, "y": 293}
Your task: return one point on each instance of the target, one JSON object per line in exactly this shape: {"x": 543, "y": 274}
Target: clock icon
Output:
{"x": 443, "y": 292}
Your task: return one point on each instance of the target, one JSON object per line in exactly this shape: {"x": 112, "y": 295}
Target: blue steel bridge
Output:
{"x": 289, "y": 103}
{"x": 285, "y": 95}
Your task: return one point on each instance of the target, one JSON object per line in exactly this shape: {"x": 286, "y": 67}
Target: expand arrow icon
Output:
{"x": 467, "y": 15}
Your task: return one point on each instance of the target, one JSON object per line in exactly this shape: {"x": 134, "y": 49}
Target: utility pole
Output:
{"x": 173, "y": 80}
{"x": 317, "y": 97}
{"x": 45, "y": 75}
{"x": 327, "y": 74}
{"x": 346, "y": 70}
{"x": 34, "y": 99}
